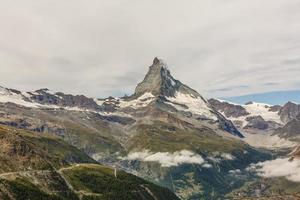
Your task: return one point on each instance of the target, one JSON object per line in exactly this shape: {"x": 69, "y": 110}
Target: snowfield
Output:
{"x": 140, "y": 102}
{"x": 261, "y": 109}
{"x": 7, "y": 96}
{"x": 195, "y": 105}
{"x": 256, "y": 109}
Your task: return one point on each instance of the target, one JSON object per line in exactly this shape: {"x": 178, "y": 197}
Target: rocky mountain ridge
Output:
{"x": 165, "y": 132}
{"x": 267, "y": 115}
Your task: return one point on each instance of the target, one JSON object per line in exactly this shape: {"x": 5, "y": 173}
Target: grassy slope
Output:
{"x": 29, "y": 164}
{"x": 101, "y": 180}
{"x": 81, "y": 129}
{"x": 22, "y": 150}
{"x": 46, "y": 186}
{"x": 163, "y": 137}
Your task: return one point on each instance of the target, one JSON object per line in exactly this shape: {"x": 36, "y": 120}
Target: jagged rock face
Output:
{"x": 159, "y": 81}
{"x": 45, "y": 98}
{"x": 64, "y": 100}
{"x": 289, "y": 111}
{"x": 256, "y": 122}
{"x": 229, "y": 110}
{"x": 275, "y": 108}
{"x": 291, "y": 129}
{"x": 109, "y": 104}
{"x": 228, "y": 126}
{"x": 172, "y": 96}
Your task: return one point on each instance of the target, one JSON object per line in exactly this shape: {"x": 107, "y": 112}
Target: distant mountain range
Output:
{"x": 165, "y": 133}
{"x": 275, "y": 97}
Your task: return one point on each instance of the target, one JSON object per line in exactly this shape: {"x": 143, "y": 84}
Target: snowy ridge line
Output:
{"x": 255, "y": 109}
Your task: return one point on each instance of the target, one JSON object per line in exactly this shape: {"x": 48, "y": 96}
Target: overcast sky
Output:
{"x": 101, "y": 48}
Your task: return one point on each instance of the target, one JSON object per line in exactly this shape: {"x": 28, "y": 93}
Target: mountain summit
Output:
{"x": 159, "y": 81}
{"x": 161, "y": 92}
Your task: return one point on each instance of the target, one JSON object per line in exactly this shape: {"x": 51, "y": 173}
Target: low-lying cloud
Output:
{"x": 167, "y": 159}
{"x": 218, "y": 157}
{"x": 280, "y": 167}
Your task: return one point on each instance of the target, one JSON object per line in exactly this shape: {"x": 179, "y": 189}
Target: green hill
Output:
{"x": 39, "y": 166}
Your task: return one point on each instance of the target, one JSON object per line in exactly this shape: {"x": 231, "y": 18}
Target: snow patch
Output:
{"x": 140, "y": 102}
{"x": 166, "y": 159}
{"x": 225, "y": 101}
{"x": 51, "y": 92}
{"x": 7, "y": 96}
{"x": 195, "y": 105}
{"x": 255, "y": 109}
{"x": 261, "y": 109}
{"x": 99, "y": 101}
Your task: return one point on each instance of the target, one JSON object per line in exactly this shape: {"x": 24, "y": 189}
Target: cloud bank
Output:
{"x": 280, "y": 167}
{"x": 166, "y": 159}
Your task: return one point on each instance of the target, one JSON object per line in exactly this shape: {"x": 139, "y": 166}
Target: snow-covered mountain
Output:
{"x": 165, "y": 132}
{"x": 45, "y": 98}
{"x": 263, "y": 125}
{"x": 160, "y": 91}
{"x": 257, "y": 115}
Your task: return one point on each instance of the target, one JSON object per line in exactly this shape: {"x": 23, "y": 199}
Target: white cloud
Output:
{"x": 280, "y": 167}
{"x": 218, "y": 157}
{"x": 101, "y": 48}
{"x": 207, "y": 165}
{"x": 167, "y": 159}
{"x": 234, "y": 171}
{"x": 227, "y": 156}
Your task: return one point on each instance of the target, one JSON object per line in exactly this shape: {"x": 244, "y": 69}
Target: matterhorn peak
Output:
{"x": 157, "y": 77}
{"x": 159, "y": 82}
{"x": 159, "y": 63}
{"x": 156, "y": 61}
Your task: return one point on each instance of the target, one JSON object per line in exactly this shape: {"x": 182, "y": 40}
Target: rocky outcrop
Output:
{"x": 229, "y": 110}
{"x": 291, "y": 129}
{"x": 289, "y": 111}
{"x": 275, "y": 108}
{"x": 109, "y": 104}
{"x": 44, "y": 97}
{"x": 172, "y": 96}
{"x": 256, "y": 122}
{"x": 159, "y": 81}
